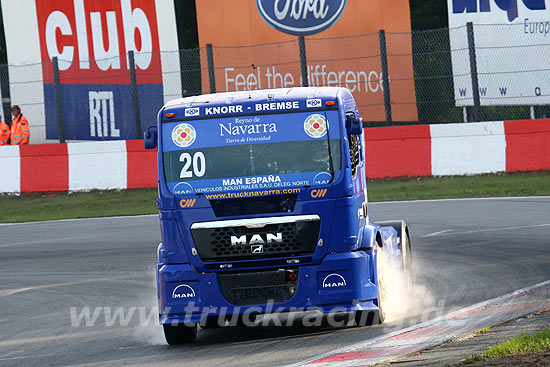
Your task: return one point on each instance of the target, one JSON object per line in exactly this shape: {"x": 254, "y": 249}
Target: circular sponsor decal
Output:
{"x": 315, "y": 126}
{"x": 183, "y": 188}
{"x": 301, "y": 18}
{"x": 183, "y": 135}
{"x": 322, "y": 178}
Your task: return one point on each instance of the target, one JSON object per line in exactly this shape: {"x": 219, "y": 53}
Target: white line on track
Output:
{"x": 446, "y": 233}
{"x": 15, "y": 291}
{"x": 9, "y": 292}
{"x": 367, "y": 342}
{"x": 79, "y": 219}
{"x": 437, "y": 233}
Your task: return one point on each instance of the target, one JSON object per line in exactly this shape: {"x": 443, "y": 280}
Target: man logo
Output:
{"x": 334, "y": 281}
{"x": 256, "y": 239}
{"x": 318, "y": 193}
{"x": 183, "y": 188}
{"x": 257, "y": 249}
{"x": 183, "y": 291}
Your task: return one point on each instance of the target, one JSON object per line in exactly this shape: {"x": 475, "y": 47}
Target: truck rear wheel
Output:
{"x": 180, "y": 334}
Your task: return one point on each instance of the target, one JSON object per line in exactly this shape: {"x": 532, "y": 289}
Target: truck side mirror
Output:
{"x": 150, "y": 137}
{"x": 354, "y": 124}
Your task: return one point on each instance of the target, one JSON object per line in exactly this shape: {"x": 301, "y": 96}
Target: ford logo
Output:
{"x": 301, "y": 17}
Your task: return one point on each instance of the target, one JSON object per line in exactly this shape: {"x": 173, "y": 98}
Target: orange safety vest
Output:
{"x": 4, "y": 133}
{"x": 20, "y": 130}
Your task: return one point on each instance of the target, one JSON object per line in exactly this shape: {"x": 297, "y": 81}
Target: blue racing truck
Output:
{"x": 263, "y": 206}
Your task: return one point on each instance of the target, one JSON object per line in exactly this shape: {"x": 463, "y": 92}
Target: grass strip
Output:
{"x": 49, "y": 206}
{"x": 515, "y": 184}
{"x": 523, "y": 343}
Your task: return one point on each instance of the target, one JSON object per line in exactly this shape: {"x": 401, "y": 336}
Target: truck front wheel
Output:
{"x": 180, "y": 333}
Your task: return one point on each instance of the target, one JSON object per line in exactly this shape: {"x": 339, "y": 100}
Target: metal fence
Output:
{"x": 423, "y": 77}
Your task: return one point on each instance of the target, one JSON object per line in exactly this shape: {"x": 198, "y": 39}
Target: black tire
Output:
{"x": 180, "y": 334}
{"x": 212, "y": 322}
{"x": 365, "y": 318}
{"x": 407, "y": 260}
{"x": 250, "y": 320}
{"x": 380, "y": 285}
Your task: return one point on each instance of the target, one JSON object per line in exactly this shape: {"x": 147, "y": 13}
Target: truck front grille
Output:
{"x": 255, "y": 288}
{"x": 241, "y": 240}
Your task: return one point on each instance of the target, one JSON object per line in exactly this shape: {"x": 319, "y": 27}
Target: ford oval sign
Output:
{"x": 301, "y": 17}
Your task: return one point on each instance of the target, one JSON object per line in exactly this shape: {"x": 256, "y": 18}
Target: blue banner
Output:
{"x": 101, "y": 112}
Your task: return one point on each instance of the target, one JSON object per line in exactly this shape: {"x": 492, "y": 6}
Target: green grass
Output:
{"x": 473, "y": 358}
{"x": 38, "y": 207}
{"x": 523, "y": 343}
{"x": 41, "y": 206}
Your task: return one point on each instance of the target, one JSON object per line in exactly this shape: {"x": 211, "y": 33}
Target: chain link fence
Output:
{"x": 465, "y": 74}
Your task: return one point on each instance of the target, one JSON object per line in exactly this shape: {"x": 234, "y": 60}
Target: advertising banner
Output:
{"x": 91, "y": 40}
{"x": 512, "y": 44}
{"x": 255, "y": 46}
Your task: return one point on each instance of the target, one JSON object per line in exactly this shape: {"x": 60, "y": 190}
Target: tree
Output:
{"x": 428, "y": 14}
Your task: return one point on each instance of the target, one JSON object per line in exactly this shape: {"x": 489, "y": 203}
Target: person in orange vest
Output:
{"x": 20, "y": 130}
{"x": 4, "y": 133}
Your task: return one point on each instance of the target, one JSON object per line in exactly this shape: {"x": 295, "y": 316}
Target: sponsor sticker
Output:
{"x": 183, "y": 291}
{"x": 333, "y": 280}
{"x": 192, "y": 112}
{"x": 315, "y": 126}
{"x": 313, "y": 103}
{"x": 183, "y": 135}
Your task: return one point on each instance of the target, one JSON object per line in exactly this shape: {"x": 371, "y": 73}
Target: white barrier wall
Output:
{"x": 460, "y": 149}
{"x": 11, "y": 169}
{"x": 97, "y": 165}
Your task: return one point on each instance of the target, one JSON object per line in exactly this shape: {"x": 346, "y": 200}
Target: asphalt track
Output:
{"x": 465, "y": 251}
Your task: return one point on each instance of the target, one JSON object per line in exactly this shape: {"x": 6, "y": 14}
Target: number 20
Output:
{"x": 199, "y": 165}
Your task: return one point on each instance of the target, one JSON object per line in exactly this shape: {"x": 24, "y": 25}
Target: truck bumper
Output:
{"x": 341, "y": 283}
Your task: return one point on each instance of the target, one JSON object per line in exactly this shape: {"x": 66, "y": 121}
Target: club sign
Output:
{"x": 301, "y": 17}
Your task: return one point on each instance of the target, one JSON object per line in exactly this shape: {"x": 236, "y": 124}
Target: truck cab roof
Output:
{"x": 262, "y": 95}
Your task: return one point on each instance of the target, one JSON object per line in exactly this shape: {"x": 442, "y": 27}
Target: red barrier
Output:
{"x": 398, "y": 151}
{"x": 44, "y": 167}
{"x": 527, "y": 145}
{"x": 142, "y": 165}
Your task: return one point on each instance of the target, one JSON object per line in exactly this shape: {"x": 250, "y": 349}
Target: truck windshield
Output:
{"x": 275, "y": 151}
